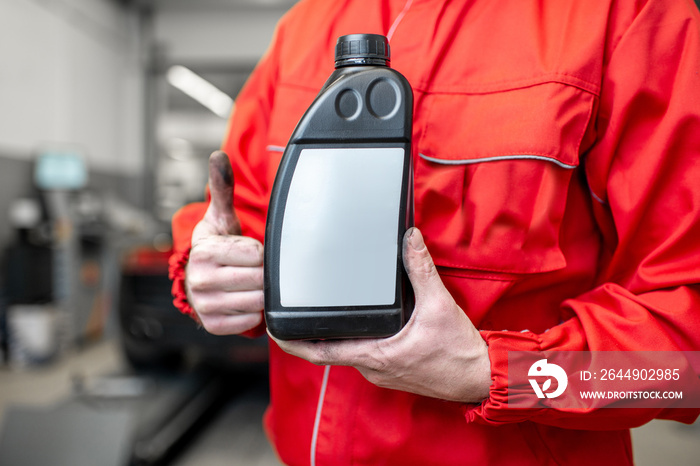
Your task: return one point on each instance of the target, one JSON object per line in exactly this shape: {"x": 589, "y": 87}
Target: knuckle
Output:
{"x": 227, "y": 223}
{"x": 201, "y": 252}
{"x": 215, "y": 326}
{"x": 194, "y": 281}
{"x": 202, "y": 306}
{"x": 373, "y": 377}
{"x": 425, "y": 267}
{"x": 378, "y": 366}
{"x": 380, "y": 359}
{"x": 319, "y": 359}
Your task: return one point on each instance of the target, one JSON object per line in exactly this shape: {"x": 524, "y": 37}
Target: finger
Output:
{"x": 316, "y": 352}
{"x": 220, "y": 212}
{"x": 228, "y": 279}
{"x": 232, "y": 325}
{"x": 419, "y": 266}
{"x": 330, "y": 352}
{"x": 241, "y": 251}
{"x": 221, "y": 303}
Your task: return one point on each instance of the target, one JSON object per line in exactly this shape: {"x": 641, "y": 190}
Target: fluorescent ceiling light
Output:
{"x": 200, "y": 90}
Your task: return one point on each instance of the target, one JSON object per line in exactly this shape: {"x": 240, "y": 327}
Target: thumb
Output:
{"x": 220, "y": 213}
{"x": 420, "y": 267}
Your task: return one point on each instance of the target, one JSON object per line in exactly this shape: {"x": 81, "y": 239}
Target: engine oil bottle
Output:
{"x": 341, "y": 203}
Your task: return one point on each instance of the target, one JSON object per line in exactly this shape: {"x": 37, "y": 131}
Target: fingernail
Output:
{"x": 414, "y": 238}
{"x": 219, "y": 161}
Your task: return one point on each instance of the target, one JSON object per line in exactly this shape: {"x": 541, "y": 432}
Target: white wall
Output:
{"x": 70, "y": 73}
{"x": 223, "y": 35}
{"x": 216, "y": 35}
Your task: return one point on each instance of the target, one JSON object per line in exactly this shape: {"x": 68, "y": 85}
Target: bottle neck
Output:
{"x": 361, "y": 61}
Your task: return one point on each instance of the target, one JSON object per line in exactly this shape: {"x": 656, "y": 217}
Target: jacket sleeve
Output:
{"x": 245, "y": 144}
{"x": 644, "y": 177}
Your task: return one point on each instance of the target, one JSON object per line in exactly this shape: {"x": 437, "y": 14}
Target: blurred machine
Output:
{"x": 155, "y": 334}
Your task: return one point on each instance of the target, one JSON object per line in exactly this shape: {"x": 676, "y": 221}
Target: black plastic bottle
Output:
{"x": 341, "y": 203}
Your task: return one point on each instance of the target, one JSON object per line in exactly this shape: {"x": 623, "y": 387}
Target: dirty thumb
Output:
{"x": 220, "y": 212}
{"x": 419, "y": 265}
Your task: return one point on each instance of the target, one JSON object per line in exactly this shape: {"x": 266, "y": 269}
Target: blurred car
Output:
{"x": 154, "y": 334}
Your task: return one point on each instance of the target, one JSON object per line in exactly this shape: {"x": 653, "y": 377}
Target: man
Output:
{"x": 556, "y": 149}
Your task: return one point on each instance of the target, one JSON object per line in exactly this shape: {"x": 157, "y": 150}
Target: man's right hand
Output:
{"x": 224, "y": 275}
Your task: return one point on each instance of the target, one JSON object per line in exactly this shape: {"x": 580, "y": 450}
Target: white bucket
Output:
{"x": 32, "y": 334}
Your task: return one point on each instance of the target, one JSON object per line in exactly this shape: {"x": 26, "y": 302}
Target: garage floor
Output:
{"x": 234, "y": 435}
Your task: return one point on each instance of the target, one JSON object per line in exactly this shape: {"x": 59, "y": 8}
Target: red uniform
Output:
{"x": 557, "y": 184}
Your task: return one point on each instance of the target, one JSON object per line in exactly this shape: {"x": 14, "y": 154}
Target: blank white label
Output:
{"x": 340, "y": 228}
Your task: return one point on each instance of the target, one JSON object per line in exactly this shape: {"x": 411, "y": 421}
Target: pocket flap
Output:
{"x": 545, "y": 121}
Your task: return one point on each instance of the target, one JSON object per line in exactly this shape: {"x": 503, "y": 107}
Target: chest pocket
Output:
{"x": 492, "y": 176}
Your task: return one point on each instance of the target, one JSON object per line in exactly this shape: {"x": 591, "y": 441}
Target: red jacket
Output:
{"x": 557, "y": 184}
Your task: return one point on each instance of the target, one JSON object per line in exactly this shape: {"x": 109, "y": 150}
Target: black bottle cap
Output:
{"x": 362, "y": 49}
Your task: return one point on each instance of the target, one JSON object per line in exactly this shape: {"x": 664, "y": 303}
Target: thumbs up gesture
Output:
{"x": 439, "y": 353}
{"x": 224, "y": 275}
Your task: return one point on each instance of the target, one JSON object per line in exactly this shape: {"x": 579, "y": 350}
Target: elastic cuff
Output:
{"x": 177, "y": 263}
{"x": 494, "y": 410}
